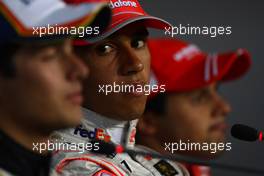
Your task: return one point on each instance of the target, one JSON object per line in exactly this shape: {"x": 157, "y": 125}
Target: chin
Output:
{"x": 219, "y": 139}
{"x": 127, "y": 114}
{"x": 133, "y": 116}
{"x": 135, "y": 112}
{"x": 124, "y": 116}
{"x": 71, "y": 118}
{"x": 126, "y": 110}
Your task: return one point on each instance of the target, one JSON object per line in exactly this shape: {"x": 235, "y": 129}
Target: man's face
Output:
{"x": 198, "y": 116}
{"x": 123, "y": 59}
{"x": 46, "y": 90}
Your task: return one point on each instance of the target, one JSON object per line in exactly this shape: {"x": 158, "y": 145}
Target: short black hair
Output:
{"x": 7, "y": 64}
{"x": 157, "y": 104}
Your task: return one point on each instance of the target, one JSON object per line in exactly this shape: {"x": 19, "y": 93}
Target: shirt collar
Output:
{"x": 120, "y": 132}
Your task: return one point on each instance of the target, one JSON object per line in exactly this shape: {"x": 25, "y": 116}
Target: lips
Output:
{"x": 75, "y": 98}
{"x": 219, "y": 126}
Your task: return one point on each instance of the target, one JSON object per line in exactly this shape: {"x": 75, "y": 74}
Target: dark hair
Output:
{"x": 157, "y": 104}
{"x": 7, "y": 65}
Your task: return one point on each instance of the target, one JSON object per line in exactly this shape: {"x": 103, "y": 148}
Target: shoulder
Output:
{"x": 4, "y": 173}
{"x": 83, "y": 163}
{"x": 160, "y": 166}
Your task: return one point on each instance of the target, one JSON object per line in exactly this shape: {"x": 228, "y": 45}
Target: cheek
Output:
{"x": 97, "y": 81}
{"x": 43, "y": 81}
{"x": 145, "y": 57}
{"x": 101, "y": 71}
{"x": 95, "y": 86}
{"x": 189, "y": 123}
{"x": 32, "y": 95}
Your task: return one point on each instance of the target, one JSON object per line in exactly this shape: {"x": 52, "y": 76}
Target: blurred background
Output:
{"x": 246, "y": 17}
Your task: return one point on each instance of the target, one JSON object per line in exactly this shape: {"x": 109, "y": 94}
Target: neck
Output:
{"x": 101, "y": 120}
{"x": 152, "y": 143}
{"x": 121, "y": 132}
{"x": 22, "y": 135}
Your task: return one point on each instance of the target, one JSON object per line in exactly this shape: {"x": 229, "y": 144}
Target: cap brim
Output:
{"x": 60, "y": 15}
{"x": 234, "y": 65}
{"x": 230, "y": 66}
{"x": 128, "y": 18}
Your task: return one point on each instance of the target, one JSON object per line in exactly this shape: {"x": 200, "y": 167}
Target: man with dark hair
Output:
{"x": 191, "y": 113}
{"x": 120, "y": 57}
{"x": 40, "y": 80}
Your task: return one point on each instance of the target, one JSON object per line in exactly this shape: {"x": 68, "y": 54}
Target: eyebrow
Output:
{"x": 35, "y": 47}
{"x": 141, "y": 32}
{"x": 44, "y": 44}
{"x": 58, "y": 43}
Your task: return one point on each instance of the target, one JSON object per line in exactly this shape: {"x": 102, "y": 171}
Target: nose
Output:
{"x": 131, "y": 63}
{"x": 77, "y": 69}
{"x": 222, "y": 107}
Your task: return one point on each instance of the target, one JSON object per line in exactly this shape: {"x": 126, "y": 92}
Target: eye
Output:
{"x": 49, "y": 54}
{"x": 200, "y": 96}
{"x": 197, "y": 97}
{"x": 138, "y": 43}
{"x": 104, "y": 49}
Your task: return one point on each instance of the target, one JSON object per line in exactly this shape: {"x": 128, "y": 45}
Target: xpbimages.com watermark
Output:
{"x": 211, "y": 31}
{"x": 213, "y": 148}
{"x": 80, "y": 147}
{"x": 145, "y": 89}
{"x": 80, "y": 31}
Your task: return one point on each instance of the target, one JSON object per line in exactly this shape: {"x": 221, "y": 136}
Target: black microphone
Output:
{"x": 110, "y": 148}
{"x": 246, "y": 133}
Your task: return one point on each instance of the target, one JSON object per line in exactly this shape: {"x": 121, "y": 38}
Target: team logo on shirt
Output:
{"x": 96, "y": 134}
{"x": 166, "y": 168}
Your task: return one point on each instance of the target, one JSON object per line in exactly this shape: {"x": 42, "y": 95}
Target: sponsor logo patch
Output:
{"x": 166, "y": 168}
{"x": 97, "y": 133}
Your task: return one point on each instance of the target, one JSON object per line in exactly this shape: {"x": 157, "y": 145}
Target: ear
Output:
{"x": 148, "y": 124}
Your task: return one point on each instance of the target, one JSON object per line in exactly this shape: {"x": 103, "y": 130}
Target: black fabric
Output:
{"x": 19, "y": 161}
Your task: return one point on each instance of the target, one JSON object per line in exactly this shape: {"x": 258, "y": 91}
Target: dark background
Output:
{"x": 245, "y": 95}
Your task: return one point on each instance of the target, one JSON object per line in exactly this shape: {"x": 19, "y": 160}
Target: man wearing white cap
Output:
{"x": 40, "y": 79}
